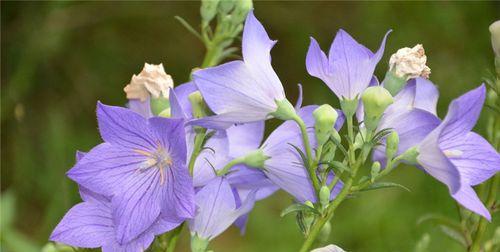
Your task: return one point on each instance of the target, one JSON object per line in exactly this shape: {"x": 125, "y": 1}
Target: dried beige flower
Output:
{"x": 151, "y": 81}
{"x": 410, "y": 63}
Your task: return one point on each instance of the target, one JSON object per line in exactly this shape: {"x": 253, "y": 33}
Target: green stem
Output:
{"x": 483, "y": 223}
{"x": 198, "y": 145}
{"x": 173, "y": 237}
{"x": 310, "y": 160}
{"x": 229, "y": 165}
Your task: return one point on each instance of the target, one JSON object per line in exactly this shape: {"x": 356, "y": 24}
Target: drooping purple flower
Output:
{"x": 141, "y": 164}
{"x": 90, "y": 224}
{"x": 412, "y": 115}
{"x": 217, "y": 208}
{"x": 242, "y": 91}
{"x": 457, "y": 157}
{"x": 349, "y": 67}
{"x": 285, "y": 167}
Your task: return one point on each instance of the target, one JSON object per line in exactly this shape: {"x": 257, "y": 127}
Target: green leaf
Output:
{"x": 382, "y": 185}
{"x": 188, "y": 27}
{"x": 440, "y": 220}
{"x": 298, "y": 207}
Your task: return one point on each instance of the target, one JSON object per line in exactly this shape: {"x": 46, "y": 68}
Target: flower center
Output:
{"x": 159, "y": 159}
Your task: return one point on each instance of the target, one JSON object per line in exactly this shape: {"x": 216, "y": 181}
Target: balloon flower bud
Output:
{"x": 152, "y": 81}
{"x": 391, "y": 145}
{"x": 405, "y": 64}
{"x": 198, "y": 244}
{"x": 255, "y": 159}
{"x": 241, "y": 10}
{"x": 495, "y": 37}
{"x": 375, "y": 100}
{"x": 324, "y": 196}
{"x": 198, "y": 105}
{"x": 208, "y": 10}
{"x": 325, "y": 117}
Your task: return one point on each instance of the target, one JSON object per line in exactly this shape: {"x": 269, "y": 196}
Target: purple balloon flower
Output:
{"x": 141, "y": 164}
{"x": 217, "y": 208}
{"x": 285, "y": 167}
{"x": 457, "y": 157}
{"x": 90, "y": 224}
{"x": 349, "y": 67}
{"x": 242, "y": 91}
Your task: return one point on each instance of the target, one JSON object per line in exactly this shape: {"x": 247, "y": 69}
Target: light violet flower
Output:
{"x": 349, "y": 67}
{"x": 90, "y": 224}
{"x": 141, "y": 164}
{"x": 217, "y": 208}
{"x": 457, "y": 157}
{"x": 285, "y": 167}
{"x": 242, "y": 91}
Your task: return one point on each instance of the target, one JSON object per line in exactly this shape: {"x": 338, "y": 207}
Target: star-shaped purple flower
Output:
{"x": 141, "y": 165}
{"x": 457, "y": 157}
{"x": 349, "y": 67}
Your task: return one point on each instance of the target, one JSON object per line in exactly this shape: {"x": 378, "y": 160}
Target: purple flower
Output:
{"x": 412, "y": 115}
{"x": 457, "y": 157}
{"x": 90, "y": 224}
{"x": 348, "y": 68}
{"x": 141, "y": 165}
{"x": 217, "y": 208}
{"x": 242, "y": 91}
{"x": 285, "y": 167}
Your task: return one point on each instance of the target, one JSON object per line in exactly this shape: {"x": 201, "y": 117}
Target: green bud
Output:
{"x": 159, "y": 104}
{"x": 208, "y": 10}
{"x": 495, "y": 37}
{"x": 225, "y": 6}
{"x": 393, "y": 83}
{"x": 255, "y": 159}
{"x": 324, "y": 234}
{"x": 324, "y": 196}
{"x": 375, "y": 170}
{"x": 391, "y": 145}
{"x": 198, "y": 105}
{"x": 410, "y": 156}
{"x": 309, "y": 204}
{"x": 198, "y": 244}
{"x": 375, "y": 100}
{"x": 349, "y": 107}
{"x": 325, "y": 117}
{"x": 285, "y": 110}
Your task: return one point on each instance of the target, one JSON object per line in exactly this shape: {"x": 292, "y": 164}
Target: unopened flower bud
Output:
{"x": 225, "y": 6}
{"x": 324, "y": 196}
{"x": 495, "y": 37}
{"x": 325, "y": 117}
{"x": 324, "y": 234}
{"x": 391, "y": 145}
{"x": 309, "y": 203}
{"x": 410, "y": 63}
{"x": 349, "y": 107}
{"x": 152, "y": 81}
{"x": 198, "y": 105}
{"x": 375, "y": 101}
{"x": 284, "y": 111}
{"x": 241, "y": 10}
{"x": 375, "y": 170}
{"x": 208, "y": 10}
{"x": 410, "y": 156}
{"x": 160, "y": 107}
{"x": 255, "y": 159}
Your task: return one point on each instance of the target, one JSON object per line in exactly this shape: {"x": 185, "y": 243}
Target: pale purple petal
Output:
{"x": 137, "y": 206}
{"x": 418, "y": 93}
{"x": 90, "y": 196}
{"x": 177, "y": 194}
{"x": 170, "y": 136}
{"x": 124, "y": 127}
{"x": 226, "y": 120}
{"x": 105, "y": 168}
{"x": 216, "y": 209}
{"x": 213, "y": 157}
{"x": 244, "y": 138}
{"x": 468, "y": 198}
{"x": 317, "y": 63}
{"x": 475, "y": 158}
{"x": 176, "y": 109}
{"x": 86, "y": 225}
{"x": 141, "y": 107}
{"x": 256, "y": 50}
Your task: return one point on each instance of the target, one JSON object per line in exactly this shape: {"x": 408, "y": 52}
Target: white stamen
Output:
{"x": 452, "y": 153}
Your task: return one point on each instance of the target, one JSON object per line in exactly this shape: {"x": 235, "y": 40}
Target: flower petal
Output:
{"x": 124, "y": 127}
{"x": 467, "y": 197}
{"x": 244, "y": 138}
{"x": 142, "y": 108}
{"x": 213, "y": 157}
{"x": 317, "y": 63}
{"x": 170, "y": 135}
{"x": 177, "y": 194}
{"x": 86, "y": 225}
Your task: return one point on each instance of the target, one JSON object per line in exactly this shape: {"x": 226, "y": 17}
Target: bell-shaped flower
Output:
{"x": 458, "y": 157}
{"x": 285, "y": 168}
{"x": 412, "y": 115}
{"x": 141, "y": 164}
{"x": 349, "y": 67}
{"x": 90, "y": 224}
{"x": 242, "y": 91}
{"x": 217, "y": 208}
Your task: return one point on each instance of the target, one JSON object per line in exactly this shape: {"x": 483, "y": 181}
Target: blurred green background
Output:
{"x": 59, "y": 58}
